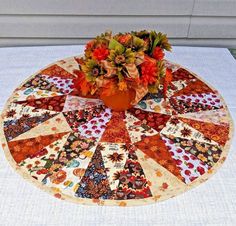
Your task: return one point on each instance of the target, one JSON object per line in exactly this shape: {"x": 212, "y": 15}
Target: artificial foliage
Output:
{"x": 123, "y": 61}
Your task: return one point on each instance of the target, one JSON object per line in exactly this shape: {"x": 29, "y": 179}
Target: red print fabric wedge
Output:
{"x": 218, "y": 133}
{"x": 49, "y": 103}
{"x": 197, "y": 87}
{"x": 155, "y": 148}
{"x": 182, "y": 74}
{"x": 133, "y": 183}
{"x": 57, "y": 71}
{"x": 116, "y": 129}
{"x": 22, "y": 149}
{"x": 156, "y": 121}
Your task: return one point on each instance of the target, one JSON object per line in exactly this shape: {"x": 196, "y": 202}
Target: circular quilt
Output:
{"x": 79, "y": 150}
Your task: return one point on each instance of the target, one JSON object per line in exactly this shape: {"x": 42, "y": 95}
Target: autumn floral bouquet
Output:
{"x": 123, "y": 68}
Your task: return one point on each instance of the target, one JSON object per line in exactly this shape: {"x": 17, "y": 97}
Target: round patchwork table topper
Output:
{"x": 79, "y": 150}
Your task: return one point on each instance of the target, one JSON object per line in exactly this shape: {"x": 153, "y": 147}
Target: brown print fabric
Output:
{"x": 49, "y": 103}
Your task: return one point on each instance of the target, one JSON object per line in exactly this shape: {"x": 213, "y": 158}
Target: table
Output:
{"x": 219, "y": 191}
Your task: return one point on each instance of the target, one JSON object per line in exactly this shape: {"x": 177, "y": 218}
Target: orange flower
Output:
{"x": 89, "y": 45}
{"x": 123, "y": 39}
{"x": 158, "y": 53}
{"x": 148, "y": 71}
{"x": 100, "y": 53}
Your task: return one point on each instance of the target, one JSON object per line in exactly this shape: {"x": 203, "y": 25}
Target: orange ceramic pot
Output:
{"x": 120, "y": 100}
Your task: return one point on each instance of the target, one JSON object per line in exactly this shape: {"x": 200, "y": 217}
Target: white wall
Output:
{"x": 187, "y": 22}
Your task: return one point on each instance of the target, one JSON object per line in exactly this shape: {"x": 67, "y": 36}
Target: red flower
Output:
{"x": 148, "y": 71}
{"x": 158, "y": 53}
{"x": 100, "y": 53}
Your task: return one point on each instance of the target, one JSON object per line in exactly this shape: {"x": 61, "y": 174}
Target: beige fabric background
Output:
{"x": 212, "y": 203}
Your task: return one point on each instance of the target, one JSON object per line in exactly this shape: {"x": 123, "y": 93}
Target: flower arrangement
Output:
{"x": 124, "y": 67}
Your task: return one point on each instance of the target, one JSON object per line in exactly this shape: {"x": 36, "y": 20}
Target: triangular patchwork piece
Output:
{"x": 32, "y": 93}
{"x": 182, "y": 74}
{"x": 218, "y": 117}
{"x": 95, "y": 183}
{"x": 56, "y": 124}
{"x": 39, "y": 164}
{"x": 50, "y": 103}
{"x": 75, "y": 171}
{"x": 137, "y": 129}
{"x": 77, "y": 151}
{"x": 132, "y": 180}
{"x": 217, "y": 133}
{"x": 72, "y": 162}
{"x": 208, "y": 99}
{"x": 176, "y": 86}
{"x": 63, "y": 85}
{"x": 22, "y": 149}
{"x": 41, "y": 82}
{"x": 57, "y": 71}
{"x": 95, "y": 127}
{"x": 79, "y": 117}
{"x": 154, "y": 147}
{"x": 161, "y": 180}
{"x": 70, "y": 64}
{"x": 186, "y": 106}
{"x": 207, "y": 153}
{"x": 17, "y": 111}
{"x": 79, "y": 103}
{"x": 155, "y": 105}
{"x": 190, "y": 166}
{"x": 114, "y": 158}
{"x": 196, "y": 87}
{"x": 177, "y": 128}
{"x": 116, "y": 131}
{"x": 15, "y": 127}
{"x": 156, "y": 121}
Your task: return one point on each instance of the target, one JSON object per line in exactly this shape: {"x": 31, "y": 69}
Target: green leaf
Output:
{"x": 138, "y": 41}
{"x": 90, "y": 77}
{"x": 162, "y": 70}
{"x": 113, "y": 44}
{"x": 155, "y": 43}
{"x": 159, "y": 39}
{"x": 120, "y": 76}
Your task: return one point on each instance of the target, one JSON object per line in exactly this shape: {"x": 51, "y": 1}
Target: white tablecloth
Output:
{"x": 212, "y": 203}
